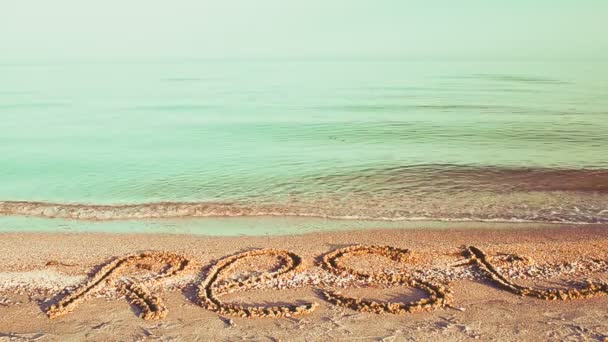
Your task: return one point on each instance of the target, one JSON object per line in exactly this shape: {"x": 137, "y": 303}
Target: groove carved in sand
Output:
{"x": 150, "y": 305}
{"x": 209, "y": 291}
{"x": 478, "y": 257}
{"x": 439, "y": 295}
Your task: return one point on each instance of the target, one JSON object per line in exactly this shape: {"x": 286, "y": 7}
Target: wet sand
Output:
{"x": 36, "y": 267}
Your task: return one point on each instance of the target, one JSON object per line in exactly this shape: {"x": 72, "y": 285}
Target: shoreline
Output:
{"x": 34, "y": 267}
{"x": 252, "y": 225}
{"x": 528, "y": 213}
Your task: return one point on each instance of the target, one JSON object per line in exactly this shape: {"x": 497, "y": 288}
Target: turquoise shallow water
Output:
{"x": 382, "y": 140}
{"x": 234, "y": 226}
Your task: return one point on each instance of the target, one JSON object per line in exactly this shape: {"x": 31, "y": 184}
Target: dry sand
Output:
{"x": 35, "y": 267}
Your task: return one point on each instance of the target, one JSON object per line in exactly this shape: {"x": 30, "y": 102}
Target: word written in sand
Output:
{"x": 217, "y": 283}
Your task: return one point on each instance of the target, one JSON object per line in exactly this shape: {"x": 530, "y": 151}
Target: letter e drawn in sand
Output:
{"x": 209, "y": 290}
{"x": 139, "y": 294}
{"x": 439, "y": 295}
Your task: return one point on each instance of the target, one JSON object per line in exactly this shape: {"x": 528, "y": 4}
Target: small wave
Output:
{"x": 514, "y": 79}
{"x": 32, "y": 105}
{"x": 395, "y": 107}
{"x": 183, "y": 79}
{"x": 173, "y": 108}
{"x": 166, "y": 210}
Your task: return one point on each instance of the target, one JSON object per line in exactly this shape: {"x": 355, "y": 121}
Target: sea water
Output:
{"x": 346, "y": 139}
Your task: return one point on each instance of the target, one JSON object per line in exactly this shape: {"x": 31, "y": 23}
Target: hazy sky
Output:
{"x": 442, "y": 29}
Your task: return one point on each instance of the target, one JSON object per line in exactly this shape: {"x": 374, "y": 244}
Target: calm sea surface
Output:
{"x": 367, "y": 140}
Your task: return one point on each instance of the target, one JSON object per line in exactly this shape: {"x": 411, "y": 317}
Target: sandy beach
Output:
{"x": 36, "y": 267}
